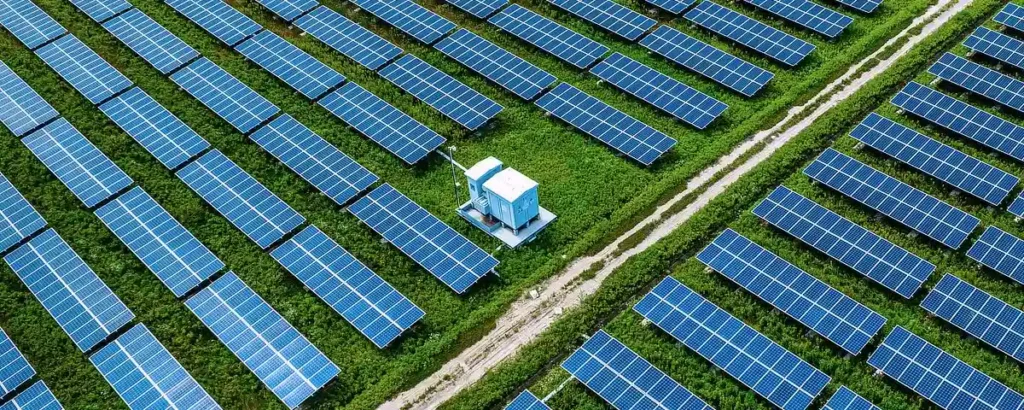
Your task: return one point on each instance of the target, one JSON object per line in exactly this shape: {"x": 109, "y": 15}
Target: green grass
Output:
{"x": 595, "y": 194}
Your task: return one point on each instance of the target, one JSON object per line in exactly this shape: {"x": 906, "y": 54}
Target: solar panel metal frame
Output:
{"x": 35, "y": 397}
{"x": 704, "y": 59}
{"x": 610, "y": 16}
{"x": 156, "y": 129}
{"x": 863, "y": 6}
{"x": 106, "y": 314}
{"x": 508, "y": 70}
{"x": 1017, "y": 207}
{"x": 348, "y": 38}
{"x": 671, "y": 306}
{"x": 289, "y": 10}
{"x": 760, "y": 37}
{"x": 607, "y": 124}
{"x": 21, "y": 107}
{"x": 83, "y": 69}
{"x": 673, "y": 6}
{"x": 625, "y": 379}
{"x": 368, "y": 302}
{"x": 660, "y": 90}
{"x": 241, "y": 199}
{"x": 148, "y": 39}
{"x": 551, "y": 37}
{"x": 314, "y": 159}
{"x": 807, "y": 14}
{"x": 913, "y": 208}
{"x": 409, "y": 17}
{"x": 224, "y": 94}
{"x": 29, "y": 23}
{"x": 14, "y": 367}
{"x": 479, "y": 8}
{"x": 167, "y": 249}
{"x": 457, "y": 262}
{"x": 392, "y": 129}
{"x": 1000, "y": 251}
{"x": 978, "y": 313}
{"x": 980, "y": 80}
{"x": 901, "y": 351}
{"x": 527, "y": 401}
{"x": 18, "y": 219}
{"x": 441, "y": 91}
{"x": 218, "y": 18}
{"x": 217, "y": 306}
{"x": 846, "y": 399}
{"x": 290, "y": 64}
{"x": 145, "y": 375}
{"x": 826, "y": 311}
{"x": 89, "y": 174}
{"x": 1012, "y": 16}
{"x": 997, "y": 45}
{"x": 855, "y": 247}
{"x": 101, "y": 10}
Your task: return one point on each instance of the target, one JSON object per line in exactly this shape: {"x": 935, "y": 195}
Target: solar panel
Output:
{"x": 978, "y": 313}
{"x": 1001, "y": 252}
{"x": 317, "y": 161}
{"x": 283, "y": 359}
{"x": 704, "y": 59}
{"x": 21, "y": 108}
{"x": 289, "y": 10}
{"x": 18, "y": 219}
{"x": 770, "y": 370}
{"x": 673, "y": 6}
{"x": 81, "y": 67}
{"x": 897, "y": 200}
{"x": 849, "y": 243}
{"x": 363, "y": 298}
{"x": 218, "y": 18}
{"x": 1011, "y": 16}
{"x": 807, "y": 14}
{"x": 863, "y": 6}
{"x": 846, "y": 399}
{"x": 452, "y": 98}
{"x": 610, "y": 16}
{"x": 89, "y": 174}
{"x": 169, "y": 250}
{"x": 36, "y": 397}
{"x": 222, "y": 93}
{"x": 479, "y": 8}
{"x": 668, "y": 94}
{"x": 527, "y": 401}
{"x": 489, "y": 60}
{"x": 413, "y": 19}
{"x": 156, "y": 129}
{"x": 287, "y": 62}
{"x": 151, "y": 41}
{"x": 383, "y": 123}
{"x": 980, "y": 80}
{"x": 997, "y": 45}
{"x": 434, "y": 245}
{"x": 613, "y": 127}
{"x": 624, "y": 379}
{"x": 29, "y": 23}
{"x": 961, "y": 118}
{"x": 348, "y": 38}
{"x": 145, "y": 374}
{"x": 14, "y": 368}
{"x": 559, "y": 41}
{"x": 101, "y": 10}
{"x": 934, "y": 158}
{"x": 76, "y": 298}
{"x": 744, "y": 30}
{"x": 813, "y": 303}
{"x": 938, "y": 376}
{"x": 240, "y": 198}
{"x": 1017, "y": 207}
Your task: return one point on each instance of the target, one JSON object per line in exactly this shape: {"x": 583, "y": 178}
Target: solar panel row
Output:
{"x": 1017, "y": 207}
{"x": 157, "y": 130}
{"x": 29, "y": 23}
{"x": 673, "y": 6}
{"x": 348, "y": 38}
{"x": 151, "y": 41}
{"x": 717, "y": 65}
{"x": 287, "y": 62}
{"x": 997, "y": 45}
{"x": 527, "y": 401}
{"x": 36, "y": 397}
{"x": 479, "y": 8}
{"x": 101, "y": 10}
{"x": 978, "y": 313}
{"x": 807, "y": 14}
{"x": 864, "y": 6}
{"x": 1001, "y": 252}
{"x": 1011, "y": 16}
{"x": 18, "y": 219}
{"x": 81, "y": 67}
{"x": 504, "y": 68}
{"x": 846, "y": 399}
{"x": 21, "y": 108}
{"x": 414, "y": 19}
{"x": 744, "y": 30}
{"x": 289, "y": 10}
{"x": 610, "y": 16}
{"x": 980, "y": 80}
{"x": 217, "y": 18}
{"x": 14, "y": 368}
{"x": 225, "y": 95}
{"x": 554, "y": 38}
{"x": 452, "y": 98}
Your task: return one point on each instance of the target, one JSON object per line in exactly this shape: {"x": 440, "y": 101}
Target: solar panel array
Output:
{"x": 434, "y": 245}
{"x": 938, "y": 376}
{"x": 81, "y": 67}
{"x": 825, "y": 310}
{"x": 151, "y": 41}
{"x": 18, "y": 219}
{"x": 980, "y": 80}
{"x": 158, "y": 131}
{"x": 287, "y": 62}
{"x": 849, "y": 243}
{"x": 846, "y": 399}
{"x": 864, "y": 6}
{"x": 668, "y": 94}
{"x": 69, "y": 290}
{"x": 86, "y": 171}
{"x": 961, "y": 118}
{"x": 240, "y": 198}
{"x": 146, "y": 376}
{"x": 897, "y": 200}
{"x": 414, "y": 19}
{"x": 744, "y": 30}
{"x": 527, "y": 401}
{"x": 673, "y": 6}
{"x": 997, "y": 45}
{"x": 397, "y": 132}
{"x": 101, "y": 10}
{"x": 554, "y": 38}
{"x": 348, "y": 38}
{"x": 30, "y": 24}
{"x": 479, "y": 8}
{"x": 289, "y": 10}
{"x": 452, "y": 98}
{"x": 610, "y": 16}
{"x": 1011, "y": 16}
{"x": 613, "y": 127}
{"x": 217, "y": 18}
{"x": 717, "y": 65}
{"x": 36, "y": 397}
{"x": 169, "y": 250}
{"x": 1001, "y": 252}
{"x": 934, "y": 158}
{"x": 283, "y": 359}
{"x": 222, "y": 93}
{"x": 358, "y": 294}
{"x": 770, "y": 370}
{"x": 978, "y": 313}
{"x": 1017, "y": 207}
{"x": 807, "y": 14}
{"x": 504, "y": 68}
{"x": 626, "y": 380}
{"x": 14, "y": 368}
{"x": 21, "y": 108}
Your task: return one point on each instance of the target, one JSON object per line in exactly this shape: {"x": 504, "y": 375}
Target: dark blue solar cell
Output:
{"x": 567, "y": 45}
{"x": 223, "y": 94}
{"x": 527, "y": 401}
{"x": 81, "y": 67}
{"x": 997, "y": 45}
{"x": 36, "y": 397}
{"x": 980, "y": 80}
{"x": 452, "y": 98}
{"x": 348, "y": 38}
{"x": 151, "y": 41}
{"x": 807, "y": 14}
{"x": 14, "y": 368}
{"x": 295, "y": 67}
{"x": 101, "y": 10}
{"x": 217, "y": 18}
{"x": 18, "y": 219}
{"x": 1011, "y": 16}
{"x": 29, "y": 23}
{"x": 846, "y": 399}
{"x": 508, "y": 70}
{"x": 414, "y": 19}
{"x": 717, "y": 65}
{"x": 610, "y": 16}
{"x": 978, "y": 313}
{"x": 289, "y": 10}
{"x": 479, "y": 8}
{"x": 1001, "y": 252}
{"x": 156, "y": 129}
{"x": 744, "y": 30}
{"x": 21, "y": 108}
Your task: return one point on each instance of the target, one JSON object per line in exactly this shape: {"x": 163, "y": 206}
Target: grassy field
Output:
{"x": 609, "y": 309}
{"x": 595, "y": 193}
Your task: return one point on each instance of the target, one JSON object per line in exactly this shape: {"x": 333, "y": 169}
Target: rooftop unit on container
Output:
{"x": 504, "y": 203}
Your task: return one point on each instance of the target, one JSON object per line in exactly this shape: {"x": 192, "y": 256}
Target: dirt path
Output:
{"x": 530, "y": 316}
